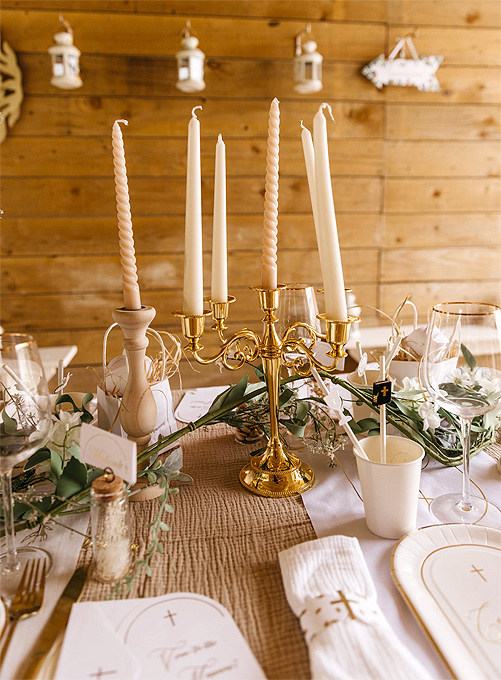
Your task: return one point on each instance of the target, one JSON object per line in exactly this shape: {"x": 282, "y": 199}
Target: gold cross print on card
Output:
{"x": 477, "y": 571}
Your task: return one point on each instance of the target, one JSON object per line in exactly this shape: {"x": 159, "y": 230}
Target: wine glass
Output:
{"x": 462, "y": 373}
{"x": 25, "y": 423}
{"x": 297, "y": 302}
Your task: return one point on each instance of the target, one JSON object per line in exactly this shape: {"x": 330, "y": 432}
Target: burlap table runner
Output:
{"x": 223, "y": 543}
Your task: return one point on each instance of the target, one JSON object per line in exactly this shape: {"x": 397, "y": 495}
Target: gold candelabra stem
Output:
{"x": 277, "y": 472}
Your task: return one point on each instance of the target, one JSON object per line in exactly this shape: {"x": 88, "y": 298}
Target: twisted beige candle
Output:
{"x": 270, "y": 222}
{"x": 130, "y": 286}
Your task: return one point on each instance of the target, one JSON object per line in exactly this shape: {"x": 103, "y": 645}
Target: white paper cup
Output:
{"x": 390, "y": 490}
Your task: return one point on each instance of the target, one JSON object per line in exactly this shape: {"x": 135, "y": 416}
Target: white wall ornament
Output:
{"x": 418, "y": 71}
{"x": 11, "y": 89}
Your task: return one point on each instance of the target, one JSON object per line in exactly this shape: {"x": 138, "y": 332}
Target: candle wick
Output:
{"x": 193, "y": 114}
{"x": 324, "y": 105}
{"x": 220, "y": 137}
{"x": 303, "y": 127}
{"x": 122, "y": 120}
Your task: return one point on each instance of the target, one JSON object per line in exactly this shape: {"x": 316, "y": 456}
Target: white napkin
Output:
{"x": 329, "y": 588}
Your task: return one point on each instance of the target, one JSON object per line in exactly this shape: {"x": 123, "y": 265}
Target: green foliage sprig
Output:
{"x": 443, "y": 444}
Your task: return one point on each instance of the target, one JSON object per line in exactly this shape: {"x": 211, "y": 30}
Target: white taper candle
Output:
{"x": 270, "y": 222}
{"x": 219, "y": 281}
{"x": 130, "y": 285}
{"x": 335, "y": 296}
{"x": 193, "y": 259}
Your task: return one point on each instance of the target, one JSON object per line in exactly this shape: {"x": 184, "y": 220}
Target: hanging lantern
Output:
{"x": 307, "y": 65}
{"x": 190, "y": 63}
{"x": 65, "y": 59}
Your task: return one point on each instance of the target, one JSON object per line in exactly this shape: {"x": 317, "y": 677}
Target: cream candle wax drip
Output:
{"x": 130, "y": 285}
{"x": 270, "y": 223}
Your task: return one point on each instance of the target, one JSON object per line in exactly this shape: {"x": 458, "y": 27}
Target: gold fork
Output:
{"x": 27, "y": 600}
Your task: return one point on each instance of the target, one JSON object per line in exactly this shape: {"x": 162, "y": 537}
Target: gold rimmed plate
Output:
{"x": 448, "y": 574}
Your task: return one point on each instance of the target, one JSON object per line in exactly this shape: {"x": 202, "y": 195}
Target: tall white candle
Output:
{"x": 270, "y": 222}
{"x": 193, "y": 260}
{"x": 309, "y": 160}
{"x": 219, "y": 282}
{"x": 130, "y": 285}
{"x": 335, "y": 297}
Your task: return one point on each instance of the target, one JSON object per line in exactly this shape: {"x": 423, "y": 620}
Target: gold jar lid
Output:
{"x": 108, "y": 486}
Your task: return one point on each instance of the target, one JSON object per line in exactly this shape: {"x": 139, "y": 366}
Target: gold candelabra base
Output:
{"x": 277, "y": 472}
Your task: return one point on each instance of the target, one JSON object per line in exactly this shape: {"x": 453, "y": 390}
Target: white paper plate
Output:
{"x": 449, "y": 575}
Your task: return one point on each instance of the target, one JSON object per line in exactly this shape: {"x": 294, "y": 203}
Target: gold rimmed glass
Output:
{"x": 462, "y": 373}
{"x": 25, "y": 423}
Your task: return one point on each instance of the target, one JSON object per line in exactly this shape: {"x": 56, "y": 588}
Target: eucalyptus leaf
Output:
{"x": 285, "y": 397}
{"x": 468, "y": 357}
{"x": 367, "y": 424}
{"x": 10, "y": 425}
{"x": 296, "y": 429}
{"x": 56, "y": 465}
{"x": 66, "y": 399}
{"x": 38, "y": 457}
{"x": 73, "y": 478}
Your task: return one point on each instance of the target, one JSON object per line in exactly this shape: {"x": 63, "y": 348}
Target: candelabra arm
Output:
{"x": 241, "y": 348}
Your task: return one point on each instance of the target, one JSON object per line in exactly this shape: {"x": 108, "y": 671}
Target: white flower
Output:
{"x": 461, "y": 377}
{"x": 65, "y": 429}
{"x": 431, "y": 419}
{"x": 410, "y": 384}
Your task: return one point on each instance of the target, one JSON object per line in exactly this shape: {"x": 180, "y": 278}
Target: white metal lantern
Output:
{"x": 307, "y": 65}
{"x": 65, "y": 59}
{"x": 190, "y": 63}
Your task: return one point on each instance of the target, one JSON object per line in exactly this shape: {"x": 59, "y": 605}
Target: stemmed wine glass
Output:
{"x": 462, "y": 373}
{"x": 25, "y": 423}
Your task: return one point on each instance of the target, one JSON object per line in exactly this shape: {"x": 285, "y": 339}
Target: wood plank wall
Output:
{"x": 415, "y": 174}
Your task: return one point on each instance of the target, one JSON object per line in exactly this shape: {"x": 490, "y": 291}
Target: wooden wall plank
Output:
{"x": 459, "y": 85}
{"x": 34, "y": 197}
{"x": 165, "y": 234}
{"x": 441, "y": 264}
{"x": 64, "y": 274}
{"x": 80, "y": 311}
{"x": 443, "y": 159}
{"x": 458, "y": 46}
{"x": 94, "y": 116}
{"x": 323, "y": 10}
{"x": 466, "y": 13}
{"x": 442, "y": 195}
{"x": 219, "y": 36}
{"x": 426, "y": 294}
{"x": 435, "y": 230}
{"x": 154, "y": 76}
{"x": 160, "y": 156}
{"x": 444, "y": 122}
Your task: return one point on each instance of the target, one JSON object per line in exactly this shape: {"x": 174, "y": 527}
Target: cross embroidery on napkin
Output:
{"x": 322, "y": 612}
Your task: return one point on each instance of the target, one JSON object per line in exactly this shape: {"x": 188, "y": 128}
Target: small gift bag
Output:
{"x": 158, "y": 371}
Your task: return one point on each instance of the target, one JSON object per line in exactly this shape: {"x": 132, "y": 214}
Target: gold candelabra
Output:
{"x": 277, "y": 472}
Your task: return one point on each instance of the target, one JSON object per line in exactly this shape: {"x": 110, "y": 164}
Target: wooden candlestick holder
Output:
{"x": 138, "y": 412}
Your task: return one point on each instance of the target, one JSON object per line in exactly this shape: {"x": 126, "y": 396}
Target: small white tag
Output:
{"x": 105, "y": 449}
